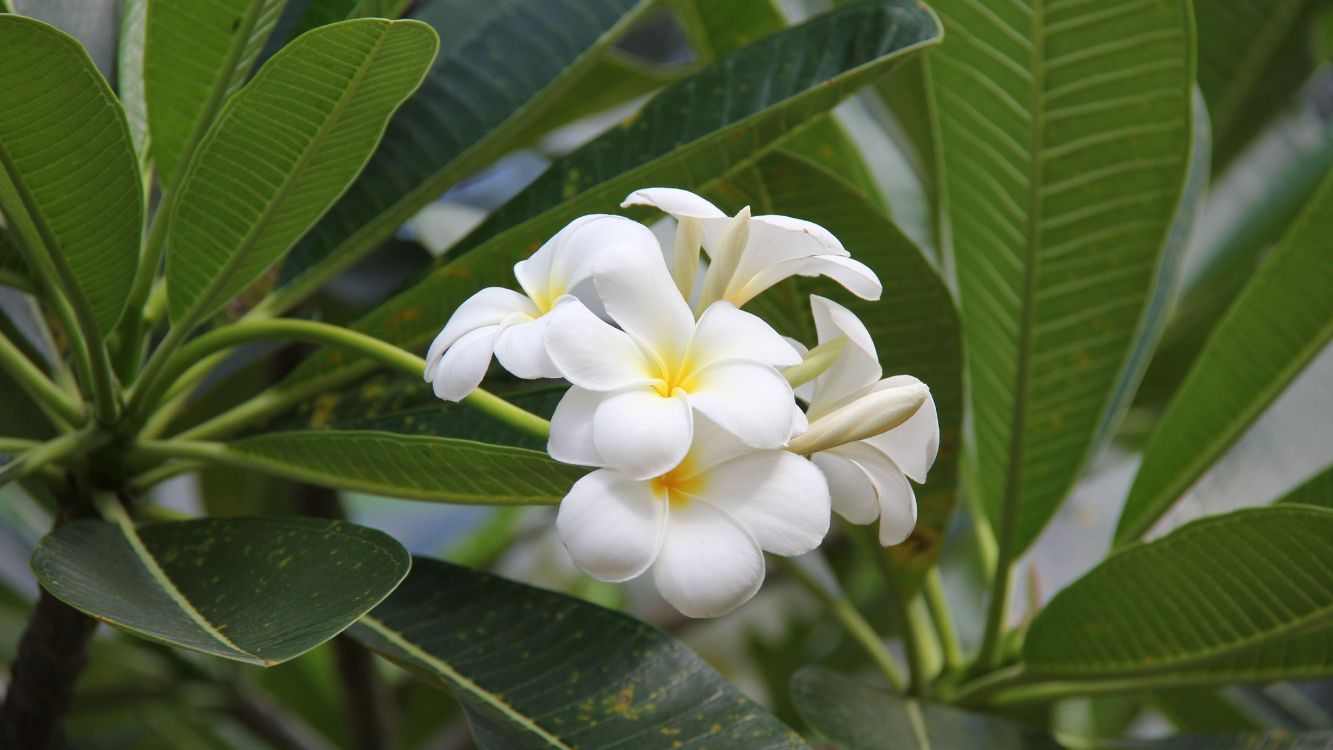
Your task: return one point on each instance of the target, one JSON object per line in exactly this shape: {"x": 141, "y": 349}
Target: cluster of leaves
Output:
{"x": 251, "y": 152}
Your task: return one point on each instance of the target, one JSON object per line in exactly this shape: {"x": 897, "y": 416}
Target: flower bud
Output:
{"x": 724, "y": 258}
{"x": 816, "y": 362}
{"x": 875, "y": 410}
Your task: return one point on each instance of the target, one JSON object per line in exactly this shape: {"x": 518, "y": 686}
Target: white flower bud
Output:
{"x": 873, "y": 411}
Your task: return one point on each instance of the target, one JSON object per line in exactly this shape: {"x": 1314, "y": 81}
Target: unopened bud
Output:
{"x": 816, "y": 362}
{"x": 724, "y": 259}
{"x": 685, "y": 254}
{"x": 876, "y": 410}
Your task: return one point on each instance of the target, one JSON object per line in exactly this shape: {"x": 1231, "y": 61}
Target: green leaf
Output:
{"x": 196, "y": 55}
{"x": 1253, "y": 56}
{"x": 1317, "y": 490}
{"x": 914, "y": 324}
{"x": 1282, "y": 319}
{"x": 1230, "y": 597}
{"x": 1065, "y": 141}
{"x": 856, "y": 716}
{"x": 255, "y": 590}
{"x": 535, "y": 669}
{"x": 738, "y": 109}
{"x": 130, "y": 77}
{"x": 515, "y": 64}
{"x": 69, "y": 180}
{"x": 416, "y": 467}
{"x": 282, "y": 150}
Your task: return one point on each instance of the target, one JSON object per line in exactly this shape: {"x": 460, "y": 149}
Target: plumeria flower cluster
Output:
{"x": 688, "y": 408}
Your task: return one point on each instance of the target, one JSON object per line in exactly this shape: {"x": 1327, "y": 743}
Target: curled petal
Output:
{"x": 641, "y": 432}
{"x": 897, "y": 501}
{"x": 708, "y": 564}
{"x": 752, "y": 402}
{"x": 850, "y": 490}
{"x": 779, "y": 497}
{"x": 725, "y": 333}
{"x": 857, "y": 365}
{"x": 674, "y": 201}
{"x": 612, "y": 525}
{"x": 914, "y": 444}
{"x": 852, "y": 274}
{"x": 640, "y": 296}
{"x": 591, "y": 353}
{"x": 464, "y": 364}
{"x": 571, "y": 438}
{"x": 488, "y": 307}
{"x": 521, "y": 349}
{"x": 555, "y": 259}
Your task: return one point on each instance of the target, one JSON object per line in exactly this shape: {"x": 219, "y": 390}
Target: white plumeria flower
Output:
{"x": 850, "y": 408}
{"x": 637, "y": 387}
{"x": 702, "y": 527}
{"x": 511, "y": 325}
{"x": 750, "y": 254}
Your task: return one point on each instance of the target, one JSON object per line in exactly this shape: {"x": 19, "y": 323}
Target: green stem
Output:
{"x": 17, "y": 445}
{"x": 331, "y": 335}
{"x": 914, "y": 640}
{"x": 141, "y": 483}
{"x": 932, "y": 588}
{"x": 51, "y": 451}
{"x": 1011, "y": 686}
{"x": 33, "y": 381}
{"x": 852, "y": 621}
{"x": 16, "y": 280}
{"x": 996, "y": 611}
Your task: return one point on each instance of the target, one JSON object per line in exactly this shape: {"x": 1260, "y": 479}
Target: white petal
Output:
{"x": 852, "y": 494}
{"x": 708, "y": 565}
{"x": 674, "y": 201}
{"x": 914, "y": 444}
{"x": 604, "y": 235}
{"x": 857, "y": 365}
{"x": 852, "y": 274}
{"x": 571, "y": 438}
{"x": 591, "y": 353}
{"x": 725, "y": 333}
{"x": 464, "y": 364}
{"x": 779, "y": 497}
{"x": 642, "y": 433}
{"x": 611, "y": 525}
{"x": 897, "y": 501}
{"x": 711, "y": 445}
{"x": 640, "y": 296}
{"x": 752, "y": 402}
{"x": 521, "y": 349}
{"x": 488, "y": 307}
{"x": 535, "y": 272}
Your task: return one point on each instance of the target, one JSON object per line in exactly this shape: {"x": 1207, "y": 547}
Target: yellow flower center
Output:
{"x": 680, "y": 484}
{"x": 545, "y": 299}
{"x": 672, "y": 375}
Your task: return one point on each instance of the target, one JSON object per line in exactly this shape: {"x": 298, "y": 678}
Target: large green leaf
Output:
{"x": 535, "y": 669}
{"x": 1317, "y": 490}
{"x": 1232, "y": 597}
{"x": 1282, "y": 319}
{"x": 738, "y": 109}
{"x": 130, "y": 76}
{"x": 282, "y": 150}
{"x": 914, "y": 324}
{"x": 1065, "y": 141}
{"x": 196, "y": 55}
{"x": 514, "y": 63}
{"x": 1253, "y": 56}
{"x": 69, "y": 179}
{"x": 416, "y": 467}
{"x": 256, "y": 590}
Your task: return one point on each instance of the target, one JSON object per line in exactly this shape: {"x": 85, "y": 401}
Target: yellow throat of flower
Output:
{"x": 681, "y": 484}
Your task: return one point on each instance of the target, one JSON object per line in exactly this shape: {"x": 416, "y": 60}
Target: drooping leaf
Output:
{"x": 69, "y": 180}
{"x": 737, "y": 109}
{"x": 1317, "y": 490}
{"x": 1065, "y": 136}
{"x": 914, "y": 324}
{"x": 256, "y": 590}
{"x": 416, "y": 467}
{"x": 195, "y": 56}
{"x": 1253, "y": 56}
{"x": 282, "y": 150}
{"x": 536, "y": 669}
{"x": 1242, "y": 596}
{"x": 514, "y": 64}
{"x": 1282, "y": 319}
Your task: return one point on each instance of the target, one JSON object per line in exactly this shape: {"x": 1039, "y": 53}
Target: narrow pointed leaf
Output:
{"x": 257, "y": 590}
{"x": 196, "y": 55}
{"x": 737, "y": 109}
{"x": 416, "y": 467}
{"x": 282, "y": 150}
{"x": 1282, "y": 319}
{"x": 1065, "y": 141}
{"x": 130, "y": 76}
{"x": 515, "y": 61}
{"x": 536, "y": 669}
{"x": 69, "y": 179}
{"x": 1243, "y": 596}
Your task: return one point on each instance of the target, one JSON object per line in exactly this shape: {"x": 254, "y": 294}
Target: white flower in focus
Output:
{"x": 749, "y": 254}
{"x": 511, "y": 325}
{"x": 636, "y": 387}
{"x": 702, "y": 527}
{"x": 850, "y": 408}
